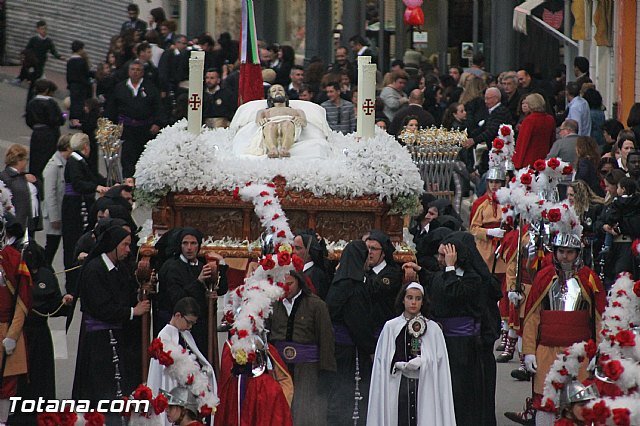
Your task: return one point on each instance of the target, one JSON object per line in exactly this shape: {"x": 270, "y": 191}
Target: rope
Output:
{"x": 68, "y": 270}
{"x": 35, "y": 311}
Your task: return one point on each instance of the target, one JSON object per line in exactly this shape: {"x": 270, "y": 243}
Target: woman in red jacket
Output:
{"x": 537, "y": 133}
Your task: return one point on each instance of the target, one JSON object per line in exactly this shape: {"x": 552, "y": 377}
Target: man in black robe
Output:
{"x": 109, "y": 304}
{"x": 135, "y": 104}
{"x": 383, "y": 278}
{"x": 307, "y": 247}
{"x": 184, "y": 275}
{"x": 349, "y": 306}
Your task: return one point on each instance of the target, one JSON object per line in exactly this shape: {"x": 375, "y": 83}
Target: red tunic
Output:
{"x": 537, "y": 133}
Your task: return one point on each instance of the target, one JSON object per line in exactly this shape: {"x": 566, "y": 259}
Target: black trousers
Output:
{"x": 135, "y": 139}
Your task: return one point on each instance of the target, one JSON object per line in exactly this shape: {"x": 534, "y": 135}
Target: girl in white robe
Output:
{"x": 426, "y": 387}
{"x": 185, "y": 315}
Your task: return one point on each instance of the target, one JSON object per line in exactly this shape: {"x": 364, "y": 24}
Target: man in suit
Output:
{"x": 414, "y": 107}
{"x": 565, "y": 147}
{"x": 490, "y": 121}
{"x": 360, "y": 48}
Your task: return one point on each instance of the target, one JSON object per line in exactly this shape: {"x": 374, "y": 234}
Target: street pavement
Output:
{"x": 510, "y": 394}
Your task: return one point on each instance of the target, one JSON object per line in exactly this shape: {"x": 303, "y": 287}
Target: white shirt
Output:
{"x": 288, "y": 305}
{"x": 134, "y": 89}
{"x": 307, "y": 266}
{"x": 362, "y": 50}
{"x": 184, "y": 259}
{"x": 494, "y": 107}
{"x": 379, "y": 267}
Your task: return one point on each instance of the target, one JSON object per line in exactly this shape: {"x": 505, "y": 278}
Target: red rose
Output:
{"x": 626, "y": 338}
{"x": 553, "y": 163}
{"x": 281, "y": 234}
{"x": 540, "y": 165}
{"x": 160, "y": 404}
{"x": 554, "y": 215}
{"x": 613, "y": 369}
{"x": 67, "y": 418}
{"x": 621, "y": 416}
{"x": 498, "y": 144}
{"x": 557, "y": 385}
{"x": 275, "y": 216}
{"x": 143, "y": 392}
{"x": 242, "y": 334}
{"x": 164, "y": 358}
{"x": 190, "y": 378}
{"x": 268, "y": 202}
{"x": 608, "y": 389}
{"x": 155, "y": 347}
{"x": 525, "y": 179}
{"x": 94, "y": 419}
{"x": 284, "y": 258}
{"x": 567, "y": 170}
{"x": 298, "y": 263}
{"x": 48, "y": 419}
{"x": 267, "y": 262}
{"x": 636, "y": 288}
{"x": 563, "y": 372}
{"x": 205, "y": 410}
{"x": 271, "y": 185}
{"x": 236, "y": 193}
{"x": 505, "y": 131}
{"x": 600, "y": 412}
{"x": 264, "y": 193}
{"x": 590, "y": 348}
{"x": 228, "y": 317}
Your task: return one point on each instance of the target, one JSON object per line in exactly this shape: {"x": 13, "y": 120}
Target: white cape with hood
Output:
{"x": 435, "y": 397}
{"x": 159, "y": 379}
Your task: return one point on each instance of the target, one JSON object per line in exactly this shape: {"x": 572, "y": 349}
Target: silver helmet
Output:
{"x": 496, "y": 173}
{"x": 182, "y": 397}
{"x": 574, "y": 392}
{"x": 568, "y": 240}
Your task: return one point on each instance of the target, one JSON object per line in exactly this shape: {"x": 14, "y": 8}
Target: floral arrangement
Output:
{"x": 183, "y": 367}
{"x": 502, "y": 148}
{"x": 177, "y": 160}
{"x": 251, "y": 303}
{"x": 69, "y": 418}
{"x": 157, "y": 406}
{"x": 617, "y": 372}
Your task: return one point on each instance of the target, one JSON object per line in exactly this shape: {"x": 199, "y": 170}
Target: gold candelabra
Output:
{"x": 108, "y": 138}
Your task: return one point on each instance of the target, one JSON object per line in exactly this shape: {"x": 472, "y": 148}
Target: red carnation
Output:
{"x": 247, "y": 183}
{"x": 159, "y": 404}
{"x": 613, "y": 369}
{"x": 505, "y": 131}
{"x": 271, "y": 185}
{"x": 267, "y": 262}
{"x": 228, "y": 317}
{"x": 621, "y": 416}
{"x": 268, "y": 202}
{"x": 567, "y": 170}
{"x": 264, "y": 193}
{"x": 190, "y": 378}
{"x": 298, "y": 263}
{"x": 164, "y": 358}
{"x": 553, "y": 163}
{"x": 563, "y": 372}
{"x": 155, "y": 348}
{"x": 554, "y": 215}
{"x": 275, "y": 216}
{"x": 608, "y": 389}
{"x": 557, "y": 385}
{"x": 590, "y": 348}
{"x": 205, "y": 410}
{"x": 626, "y": 338}
{"x": 242, "y": 334}
{"x": 284, "y": 258}
{"x": 600, "y": 412}
{"x": 636, "y": 288}
{"x": 540, "y": 165}
{"x": 94, "y": 419}
{"x": 48, "y": 419}
{"x": 281, "y": 234}
{"x": 67, "y": 418}
{"x": 143, "y": 392}
{"x": 498, "y": 144}
{"x": 525, "y": 179}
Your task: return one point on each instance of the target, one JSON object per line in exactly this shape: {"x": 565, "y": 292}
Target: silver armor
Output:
{"x": 566, "y": 295}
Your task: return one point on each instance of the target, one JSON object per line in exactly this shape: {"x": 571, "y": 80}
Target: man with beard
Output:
{"x": 383, "y": 278}
{"x": 185, "y": 275}
{"x": 281, "y": 125}
{"x": 219, "y": 105}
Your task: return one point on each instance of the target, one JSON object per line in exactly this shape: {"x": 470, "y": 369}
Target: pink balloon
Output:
{"x": 412, "y": 3}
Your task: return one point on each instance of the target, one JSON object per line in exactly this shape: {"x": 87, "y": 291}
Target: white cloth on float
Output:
{"x": 435, "y": 396}
{"x": 159, "y": 379}
{"x": 312, "y": 142}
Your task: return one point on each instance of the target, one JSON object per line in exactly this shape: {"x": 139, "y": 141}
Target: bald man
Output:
{"x": 414, "y": 107}
{"x": 488, "y": 123}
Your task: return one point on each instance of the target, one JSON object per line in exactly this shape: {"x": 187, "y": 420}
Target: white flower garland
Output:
{"x": 177, "y": 160}
{"x": 502, "y": 148}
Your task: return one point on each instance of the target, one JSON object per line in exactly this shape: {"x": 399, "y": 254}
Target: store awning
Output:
{"x": 521, "y": 12}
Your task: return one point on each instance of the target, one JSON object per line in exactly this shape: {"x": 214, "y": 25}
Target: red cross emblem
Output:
{"x": 368, "y": 106}
{"x": 194, "y": 102}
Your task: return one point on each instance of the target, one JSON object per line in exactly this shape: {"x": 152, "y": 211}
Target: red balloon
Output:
{"x": 413, "y": 16}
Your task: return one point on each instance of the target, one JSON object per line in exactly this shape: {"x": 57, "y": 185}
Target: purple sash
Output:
{"x": 93, "y": 324}
{"x": 342, "y": 335}
{"x": 132, "y": 122}
{"x": 296, "y": 353}
{"x": 68, "y": 190}
{"x": 459, "y": 326}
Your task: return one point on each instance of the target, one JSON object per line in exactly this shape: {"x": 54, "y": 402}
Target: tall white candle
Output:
{"x": 194, "y": 108}
{"x": 366, "y": 97}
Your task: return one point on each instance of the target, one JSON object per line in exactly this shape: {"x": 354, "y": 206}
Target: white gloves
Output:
{"x": 530, "y": 363}
{"x": 515, "y": 297}
{"x": 9, "y": 345}
{"x": 399, "y": 367}
{"x": 531, "y": 250}
{"x": 495, "y": 232}
{"x": 409, "y": 369}
{"x": 414, "y": 364}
